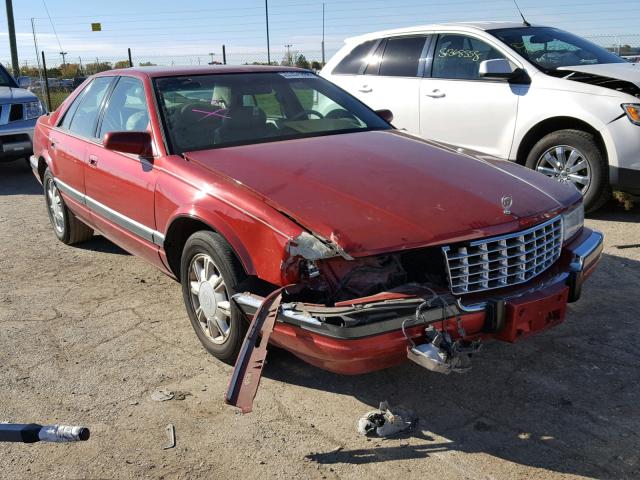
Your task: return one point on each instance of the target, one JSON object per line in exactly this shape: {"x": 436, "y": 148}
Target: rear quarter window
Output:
{"x": 353, "y": 62}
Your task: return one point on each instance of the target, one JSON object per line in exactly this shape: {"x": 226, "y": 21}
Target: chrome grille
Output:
{"x": 506, "y": 260}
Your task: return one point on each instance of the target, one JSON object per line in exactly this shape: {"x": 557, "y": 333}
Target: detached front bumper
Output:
{"x": 366, "y": 334}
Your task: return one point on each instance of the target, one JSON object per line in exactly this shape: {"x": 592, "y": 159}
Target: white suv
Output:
{"x": 536, "y": 95}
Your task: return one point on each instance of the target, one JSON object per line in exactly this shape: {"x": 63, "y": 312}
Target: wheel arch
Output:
{"x": 553, "y": 124}
{"x": 183, "y": 226}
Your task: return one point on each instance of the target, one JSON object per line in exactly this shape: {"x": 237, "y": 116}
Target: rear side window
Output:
{"x": 84, "y": 120}
{"x": 459, "y": 57}
{"x": 401, "y": 57}
{"x": 352, "y": 63}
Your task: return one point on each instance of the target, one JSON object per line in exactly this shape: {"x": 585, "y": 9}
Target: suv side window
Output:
{"x": 401, "y": 56}
{"x": 84, "y": 120}
{"x": 126, "y": 109}
{"x": 459, "y": 56}
{"x": 352, "y": 63}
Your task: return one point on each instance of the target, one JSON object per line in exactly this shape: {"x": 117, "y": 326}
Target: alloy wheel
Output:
{"x": 209, "y": 298}
{"x": 566, "y": 164}
{"x": 56, "y": 207}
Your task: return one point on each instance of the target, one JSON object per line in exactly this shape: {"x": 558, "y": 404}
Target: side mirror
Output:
{"x": 386, "y": 115}
{"x": 496, "y": 68}
{"x": 136, "y": 143}
{"x": 24, "y": 82}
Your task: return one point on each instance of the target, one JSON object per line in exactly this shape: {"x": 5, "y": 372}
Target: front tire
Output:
{"x": 66, "y": 225}
{"x": 573, "y": 156}
{"x": 210, "y": 274}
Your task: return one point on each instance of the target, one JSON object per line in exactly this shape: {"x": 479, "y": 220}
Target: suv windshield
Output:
{"x": 6, "y": 80}
{"x": 550, "y": 48}
{"x": 209, "y": 111}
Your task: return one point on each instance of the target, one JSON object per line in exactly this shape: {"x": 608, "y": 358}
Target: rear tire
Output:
{"x": 587, "y": 162}
{"x": 210, "y": 274}
{"x": 66, "y": 225}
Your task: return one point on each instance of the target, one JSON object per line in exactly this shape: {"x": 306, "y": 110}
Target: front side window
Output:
{"x": 209, "y": 111}
{"x": 127, "y": 109}
{"x": 459, "y": 56}
{"x": 401, "y": 57}
{"x": 550, "y": 48}
{"x": 84, "y": 119}
{"x": 353, "y": 62}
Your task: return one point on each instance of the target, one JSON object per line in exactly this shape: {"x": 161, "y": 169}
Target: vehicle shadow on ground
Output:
{"x": 563, "y": 400}
{"x": 100, "y": 244}
{"x": 16, "y": 178}
{"x": 614, "y": 211}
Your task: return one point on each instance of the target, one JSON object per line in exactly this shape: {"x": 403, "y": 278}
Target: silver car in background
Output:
{"x": 19, "y": 110}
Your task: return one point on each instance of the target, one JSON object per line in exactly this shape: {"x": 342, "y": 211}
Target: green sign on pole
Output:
{"x": 96, "y": 27}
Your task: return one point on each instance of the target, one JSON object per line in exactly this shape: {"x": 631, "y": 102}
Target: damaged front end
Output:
{"x": 356, "y": 315}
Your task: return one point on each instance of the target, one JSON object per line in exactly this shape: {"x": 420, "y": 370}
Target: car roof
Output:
{"x": 468, "y": 26}
{"x": 153, "y": 72}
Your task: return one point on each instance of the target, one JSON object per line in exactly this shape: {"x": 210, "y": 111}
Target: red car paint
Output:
{"x": 367, "y": 192}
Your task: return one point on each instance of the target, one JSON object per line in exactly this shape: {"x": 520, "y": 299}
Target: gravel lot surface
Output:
{"x": 88, "y": 333}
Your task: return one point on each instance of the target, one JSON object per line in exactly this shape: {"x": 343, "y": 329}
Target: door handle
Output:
{"x": 93, "y": 160}
{"x": 365, "y": 89}
{"x": 435, "y": 94}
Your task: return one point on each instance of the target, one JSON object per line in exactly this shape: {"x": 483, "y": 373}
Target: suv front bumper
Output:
{"x": 16, "y": 139}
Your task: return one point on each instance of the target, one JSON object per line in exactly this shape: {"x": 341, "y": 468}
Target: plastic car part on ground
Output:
{"x": 386, "y": 423}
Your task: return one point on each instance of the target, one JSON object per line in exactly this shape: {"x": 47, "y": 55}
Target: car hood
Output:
{"x": 378, "y": 191}
{"x": 627, "y": 72}
{"x": 15, "y": 95}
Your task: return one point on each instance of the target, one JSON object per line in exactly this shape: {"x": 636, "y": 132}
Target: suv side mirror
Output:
{"x": 136, "y": 143}
{"x": 23, "y": 82}
{"x": 386, "y": 115}
{"x": 496, "y": 68}
{"x": 500, "y": 69}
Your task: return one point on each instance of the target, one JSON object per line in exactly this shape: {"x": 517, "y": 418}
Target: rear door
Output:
{"x": 70, "y": 139}
{"x": 120, "y": 187}
{"x": 461, "y": 108}
{"x": 391, "y": 80}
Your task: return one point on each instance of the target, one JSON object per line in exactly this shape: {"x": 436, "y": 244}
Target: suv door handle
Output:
{"x": 435, "y": 94}
{"x": 93, "y": 160}
{"x": 365, "y": 89}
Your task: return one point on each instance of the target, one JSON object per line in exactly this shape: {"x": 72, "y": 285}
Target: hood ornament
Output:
{"x": 507, "y": 203}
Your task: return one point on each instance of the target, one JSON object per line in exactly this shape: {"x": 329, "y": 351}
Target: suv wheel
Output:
{"x": 210, "y": 274}
{"x": 573, "y": 156}
{"x": 66, "y": 226}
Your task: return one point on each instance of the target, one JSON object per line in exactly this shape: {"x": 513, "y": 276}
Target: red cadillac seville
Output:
{"x": 238, "y": 181}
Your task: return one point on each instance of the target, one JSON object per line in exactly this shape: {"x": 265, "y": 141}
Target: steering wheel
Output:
{"x": 306, "y": 112}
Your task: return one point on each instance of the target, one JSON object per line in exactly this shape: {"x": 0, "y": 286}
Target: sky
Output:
{"x": 189, "y": 30}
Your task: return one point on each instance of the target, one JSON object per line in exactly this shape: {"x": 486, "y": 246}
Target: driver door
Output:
{"x": 458, "y": 106}
{"x": 120, "y": 187}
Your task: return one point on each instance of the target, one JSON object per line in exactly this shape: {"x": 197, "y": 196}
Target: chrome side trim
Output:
{"x": 123, "y": 221}
{"x": 70, "y": 191}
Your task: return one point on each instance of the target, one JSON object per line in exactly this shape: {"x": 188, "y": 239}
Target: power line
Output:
{"x": 54, "y": 28}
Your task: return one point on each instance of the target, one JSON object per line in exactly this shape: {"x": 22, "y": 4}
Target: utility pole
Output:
{"x": 64, "y": 54}
{"x": 266, "y": 14}
{"x": 323, "y": 34}
{"x": 12, "y": 39}
{"x": 289, "y": 59}
{"x": 35, "y": 44}
{"x": 81, "y": 69}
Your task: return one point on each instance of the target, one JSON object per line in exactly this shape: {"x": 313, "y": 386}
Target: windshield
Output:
{"x": 6, "y": 80}
{"x": 550, "y": 48}
{"x": 216, "y": 110}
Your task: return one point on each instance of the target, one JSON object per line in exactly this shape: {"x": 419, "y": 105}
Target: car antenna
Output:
{"x": 524, "y": 20}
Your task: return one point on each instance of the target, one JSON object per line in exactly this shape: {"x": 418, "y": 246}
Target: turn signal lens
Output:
{"x": 633, "y": 112}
